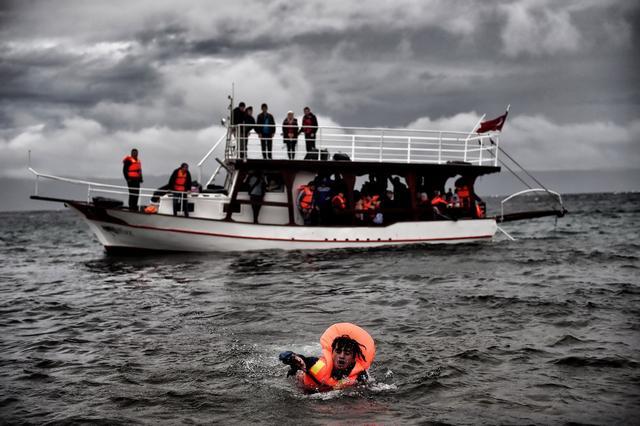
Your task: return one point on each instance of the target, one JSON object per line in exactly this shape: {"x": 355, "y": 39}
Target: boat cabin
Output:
{"x": 395, "y": 168}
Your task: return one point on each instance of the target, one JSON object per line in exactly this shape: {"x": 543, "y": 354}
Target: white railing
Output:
{"x": 382, "y": 145}
{"x": 94, "y": 188}
{"x": 527, "y": 191}
{"x": 205, "y": 158}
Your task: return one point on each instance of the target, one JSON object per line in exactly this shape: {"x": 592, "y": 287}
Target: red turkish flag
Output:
{"x": 495, "y": 124}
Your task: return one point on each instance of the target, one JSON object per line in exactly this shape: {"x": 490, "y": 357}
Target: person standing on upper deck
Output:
{"x": 309, "y": 128}
{"x": 248, "y": 124}
{"x": 290, "y": 134}
{"x": 237, "y": 117}
{"x": 266, "y": 128}
{"x": 132, "y": 170}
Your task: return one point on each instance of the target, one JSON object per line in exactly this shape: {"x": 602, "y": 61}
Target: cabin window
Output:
{"x": 275, "y": 183}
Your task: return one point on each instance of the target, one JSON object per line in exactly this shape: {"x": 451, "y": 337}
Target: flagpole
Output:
{"x": 466, "y": 141}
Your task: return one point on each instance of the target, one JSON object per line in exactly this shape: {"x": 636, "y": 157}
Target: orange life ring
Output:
{"x": 354, "y": 332}
{"x": 319, "y": 378}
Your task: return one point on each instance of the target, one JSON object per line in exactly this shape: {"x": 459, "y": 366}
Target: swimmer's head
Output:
{"x": 345, "y": 352}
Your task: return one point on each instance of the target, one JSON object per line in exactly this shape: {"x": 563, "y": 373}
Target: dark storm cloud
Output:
{"x": 61, "y": 79}
{"x": 156, "y": 70}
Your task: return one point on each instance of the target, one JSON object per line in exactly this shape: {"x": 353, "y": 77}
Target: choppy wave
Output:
{"x": 542, "y": 330}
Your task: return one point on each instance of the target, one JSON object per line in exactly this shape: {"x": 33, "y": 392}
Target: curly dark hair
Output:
{"x": 345, "y": 342}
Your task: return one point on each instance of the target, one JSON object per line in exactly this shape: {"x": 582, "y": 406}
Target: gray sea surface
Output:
{"x": 541, "y": 330}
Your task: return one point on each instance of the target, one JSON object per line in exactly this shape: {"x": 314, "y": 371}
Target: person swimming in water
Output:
{"x": 347, "y": 354}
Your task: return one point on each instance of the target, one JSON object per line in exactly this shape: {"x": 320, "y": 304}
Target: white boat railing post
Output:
{"x": 466, "y": 144}
{"x": 409, "y": 149}
{"x": 497, "y": 149}
{"x": 353, "y": 147}
{"x": 505, "y": 233}
{"x": 208, "y": 154}
{"x": 470, "y": 133}
{"x": 381, "y": 143}
{"x": 480, "y": 155}
{"x": 88, "y": 193}
{"x": 439, "y": 147}
{"x": 31, "y": 169}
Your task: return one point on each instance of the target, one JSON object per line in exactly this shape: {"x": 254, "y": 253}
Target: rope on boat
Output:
{"x": 502, "y": 150}
{"x": 506, "y": 233}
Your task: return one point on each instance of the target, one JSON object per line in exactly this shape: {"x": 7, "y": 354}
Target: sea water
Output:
{"x": 544, "y": 329}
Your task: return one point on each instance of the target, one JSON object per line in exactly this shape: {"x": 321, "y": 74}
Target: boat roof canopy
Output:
{"x": 362, "y": 168}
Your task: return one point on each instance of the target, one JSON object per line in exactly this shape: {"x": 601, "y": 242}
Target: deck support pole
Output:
{"x": 411, "y": 183}
{"x": 350, "y": 182}
{"x": 288, "y": 182}
{"x": 242, "y": 174}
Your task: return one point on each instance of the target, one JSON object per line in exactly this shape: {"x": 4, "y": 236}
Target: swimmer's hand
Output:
{"x": 285, "y": 357}
{"x": 295, "y": 361}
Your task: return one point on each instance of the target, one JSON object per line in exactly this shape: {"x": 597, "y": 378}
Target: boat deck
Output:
{"x": 358, "y": 148}
{"x": 383, "y": 145}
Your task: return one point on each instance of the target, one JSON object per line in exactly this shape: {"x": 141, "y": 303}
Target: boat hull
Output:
{"x": 122, "y": 229}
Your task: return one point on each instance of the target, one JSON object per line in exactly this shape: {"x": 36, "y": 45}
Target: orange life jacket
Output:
{"x": 318, "y": 377}
{"x": 307, "y": 199}
{"x": 371, "y": 204}
{"x": 135, "y": 167}
{"x": 465, "y": 196}
{"x": 151, "y": 209}
{"x": 438, "y": 201}
{"x": 339, "y": 202}
{"x": 479, "y": 211}
{"x": 181, "y": 180}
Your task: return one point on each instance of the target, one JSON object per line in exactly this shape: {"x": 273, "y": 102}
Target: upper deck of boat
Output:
{"x": 369, "y": 150}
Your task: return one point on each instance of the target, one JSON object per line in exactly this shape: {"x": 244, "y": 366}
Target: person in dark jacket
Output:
{"x": 266, "y": 128}
{"x": 180, "y": 184}
{"x": 290, "y": 134}
{"x": 257, "y": 187}
{"x": 248, "y": 124}
{"x": 309, "y": 128}
{"x": 237, "y": 118}
{"x": 322, "y": 200}
{"x": 132, "y": 171}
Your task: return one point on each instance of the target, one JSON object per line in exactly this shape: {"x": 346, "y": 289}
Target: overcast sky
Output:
{"x": 82, "y": 82}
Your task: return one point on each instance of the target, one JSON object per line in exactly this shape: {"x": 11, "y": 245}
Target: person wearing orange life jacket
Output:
{"x": 338, "y": 202}
{"x": 347, "y": 353}
{"x": 374, "y": 207}
{"x": 132, "y": 171}
{"x": 339, "y": 205}
{"x": 438, "y": 203}
{"x": 180, "y": 184}
{"x": 464, "y": 195}
{"x": 438, "y": 200}
{"x": 305, "y": 201}
{"x": 309, "y": 128}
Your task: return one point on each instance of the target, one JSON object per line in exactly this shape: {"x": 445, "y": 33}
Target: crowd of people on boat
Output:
{"x": 323, "y": 201}
{"x": 264, "y": 125}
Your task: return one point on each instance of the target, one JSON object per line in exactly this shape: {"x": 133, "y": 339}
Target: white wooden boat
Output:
{"x": 221, "y": 218}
